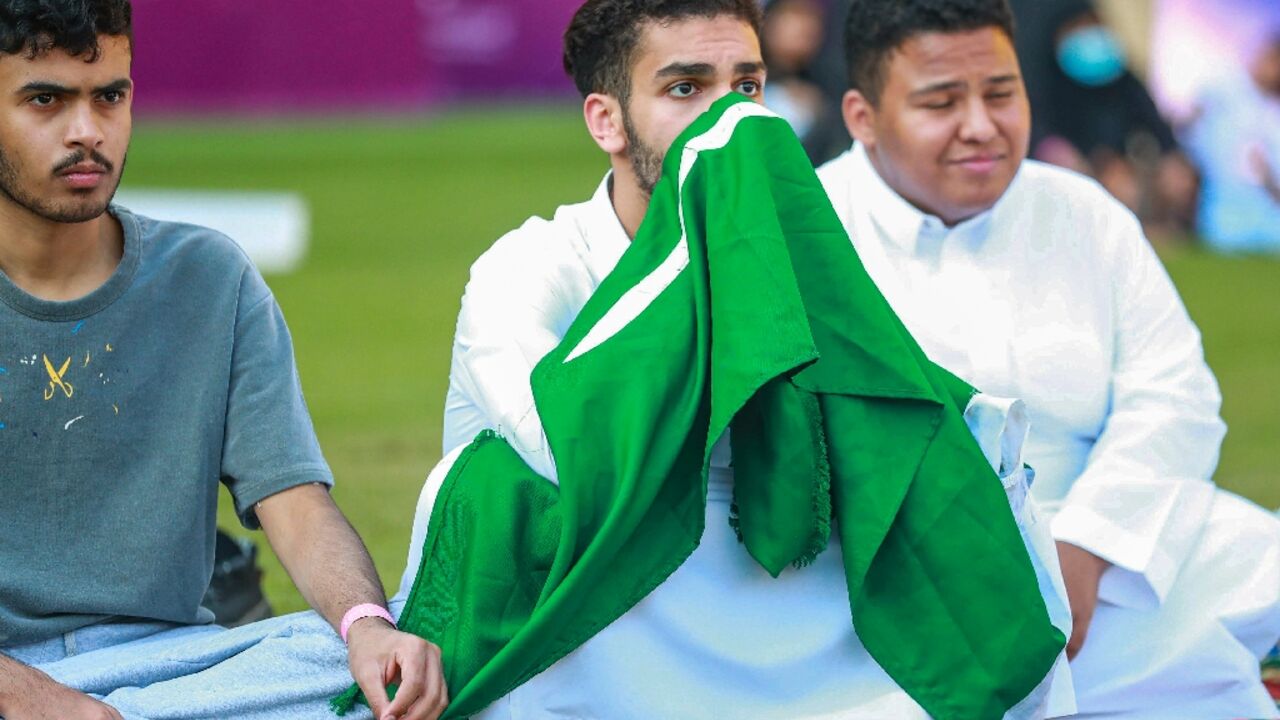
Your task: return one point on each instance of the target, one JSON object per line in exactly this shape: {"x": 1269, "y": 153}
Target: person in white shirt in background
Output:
{"x": 1234, "y": 139}
{"x": 1031, "y": 281}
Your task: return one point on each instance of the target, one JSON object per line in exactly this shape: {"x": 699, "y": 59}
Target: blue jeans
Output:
{"x": 283, "y": 668}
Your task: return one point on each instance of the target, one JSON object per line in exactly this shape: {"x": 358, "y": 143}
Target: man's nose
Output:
{"x": 722, "y": 90}
{"x": 85, "y": 128}
{"x": 718, "y": 91}
{"x": 977, "y": 126}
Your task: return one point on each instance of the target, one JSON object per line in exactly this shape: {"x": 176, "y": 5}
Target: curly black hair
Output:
{"x": 602, "y": 37}
{"x": 34, "y": 27}
{"x": 877, "y": 28}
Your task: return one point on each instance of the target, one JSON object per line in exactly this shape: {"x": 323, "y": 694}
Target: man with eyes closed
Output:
{"x": 1030, "y": 281}
{"x": 719, "y": 638}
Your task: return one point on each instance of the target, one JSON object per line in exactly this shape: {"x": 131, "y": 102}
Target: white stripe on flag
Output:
{"x": 638, "y": 298}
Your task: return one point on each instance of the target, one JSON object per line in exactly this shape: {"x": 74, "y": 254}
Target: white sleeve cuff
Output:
{"x": 1142, "y": 573}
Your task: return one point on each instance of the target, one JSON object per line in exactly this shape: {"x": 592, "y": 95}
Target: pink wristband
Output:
{"x": 359, "y": 612}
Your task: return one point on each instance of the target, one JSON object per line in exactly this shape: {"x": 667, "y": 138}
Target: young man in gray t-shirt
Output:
{"x": 141, "y": 363}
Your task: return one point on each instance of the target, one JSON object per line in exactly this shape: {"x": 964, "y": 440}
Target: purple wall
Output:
{"x": 222, "y": 56}
{"x": 483, "y": 48}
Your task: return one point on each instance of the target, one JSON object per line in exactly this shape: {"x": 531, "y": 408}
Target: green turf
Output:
{"x": 400, "y": 208}
{"x": 1236, "y": 303}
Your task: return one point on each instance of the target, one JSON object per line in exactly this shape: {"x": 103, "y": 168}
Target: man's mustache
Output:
{"x": 75, "y": 159}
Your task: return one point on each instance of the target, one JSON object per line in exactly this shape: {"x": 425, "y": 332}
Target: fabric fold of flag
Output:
{"x": 741, "y": 306}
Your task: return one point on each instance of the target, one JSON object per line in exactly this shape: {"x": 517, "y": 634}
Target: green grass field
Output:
{"x": 400, "y": 209}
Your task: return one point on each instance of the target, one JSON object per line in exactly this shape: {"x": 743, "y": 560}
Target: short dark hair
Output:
{"x": 875, "y": 29}
{"x": 600, "y": 44}
{"x": 34, "y": 27}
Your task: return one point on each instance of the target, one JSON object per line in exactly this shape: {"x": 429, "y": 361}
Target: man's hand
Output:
{"x": 38, "y": 697}
{"x": 331, "y": 567}
{"x": 379, "y": 655}
{"x": 1082, "y": 571}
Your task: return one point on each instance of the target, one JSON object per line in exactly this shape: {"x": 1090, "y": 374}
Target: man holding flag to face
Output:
{"x": 711, "y": 474}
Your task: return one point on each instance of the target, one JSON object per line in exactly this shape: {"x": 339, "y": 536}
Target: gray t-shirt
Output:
{"x": 119, "y": 414}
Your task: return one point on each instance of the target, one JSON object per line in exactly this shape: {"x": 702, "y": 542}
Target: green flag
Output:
{"x": 741, "y": 305}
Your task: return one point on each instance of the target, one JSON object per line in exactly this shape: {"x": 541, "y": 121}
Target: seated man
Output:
{"x": 715, "y": 631}
{"x": 140, "y": 363}
{"x": 1031, "y": 281}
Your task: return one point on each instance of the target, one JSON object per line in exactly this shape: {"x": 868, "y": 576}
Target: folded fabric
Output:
{"x": 741, "y": 306}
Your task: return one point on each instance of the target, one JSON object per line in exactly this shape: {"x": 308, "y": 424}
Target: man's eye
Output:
{"x": 682, "y": 90}
{"x": 112, "y": 96}
{"x": 750, "y": 88}
{"x": 42, "y": 100}
{"x": 939, "y": 104}
{"x": 1000, "y": 95}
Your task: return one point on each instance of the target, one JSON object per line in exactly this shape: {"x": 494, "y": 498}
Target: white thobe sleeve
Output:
{"x": 513, "y": 314}
{"x": 1145, "y": 491}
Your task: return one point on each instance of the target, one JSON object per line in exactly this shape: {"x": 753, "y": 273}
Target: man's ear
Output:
{"x": 603, "y": 114}
{"x": 859, "y": 117}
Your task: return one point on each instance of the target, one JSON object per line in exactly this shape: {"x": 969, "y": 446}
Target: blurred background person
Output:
{"x": 792, "y": 35}
{"x": 1235, "y": 140}
{"x": 793, "y": 39}
{"x": 1091, "y": 114}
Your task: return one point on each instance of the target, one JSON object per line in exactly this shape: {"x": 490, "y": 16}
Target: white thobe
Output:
{"x": 1056, "y": 297}
{"x": 719, "y": 638}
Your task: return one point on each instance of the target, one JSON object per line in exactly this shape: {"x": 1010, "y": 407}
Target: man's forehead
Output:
{"x": 113, "y": 62}
{"x": 719, "y": 40}
{"x": 934, "y": 55}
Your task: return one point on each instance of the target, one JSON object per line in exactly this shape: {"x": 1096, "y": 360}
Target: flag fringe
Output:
{"x": 346, "y": 702}
{"x": 821, "y": 488}
{"x": 735, "y": 522}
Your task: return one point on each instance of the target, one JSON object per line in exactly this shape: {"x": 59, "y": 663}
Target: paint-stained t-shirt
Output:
{"x": 119, "y": 414}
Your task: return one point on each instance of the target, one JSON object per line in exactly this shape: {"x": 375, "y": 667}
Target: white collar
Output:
{"x": 897, "y": 219}
{"x": 600, "y": 229}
